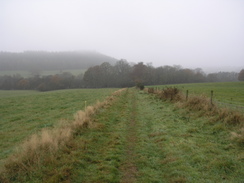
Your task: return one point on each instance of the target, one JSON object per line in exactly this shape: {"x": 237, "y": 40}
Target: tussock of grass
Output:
{"x": 238, "y": 136}
{"x": 199, "y": 103}
{"x": 230, "y": 116}
{"x": 170, "y": 93}
{"x": 41, "y": 149}
{"x": 38, "y": 150}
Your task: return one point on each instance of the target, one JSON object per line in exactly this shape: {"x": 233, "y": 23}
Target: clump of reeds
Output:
{"x": 42, "y": 148}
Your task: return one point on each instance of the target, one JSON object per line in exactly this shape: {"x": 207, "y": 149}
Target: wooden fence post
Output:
{"x": 211, "y": 97}
{"x": 186, "y": 95}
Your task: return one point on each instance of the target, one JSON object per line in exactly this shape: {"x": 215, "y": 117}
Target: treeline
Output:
{"x": 121, "y": 74}
{"x": 44, "y": 83}
{"x": 34, "y": 61}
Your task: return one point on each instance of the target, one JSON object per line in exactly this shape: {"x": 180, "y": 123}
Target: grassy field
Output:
{"x": 226, "y": 92}
{"x": 142, "y": 139}
{"x": 137, "y": 138}
{"x": 27, "y": 74}
{"x": 23, "y": 113}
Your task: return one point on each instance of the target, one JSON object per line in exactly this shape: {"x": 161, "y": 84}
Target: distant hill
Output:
{"x": 45, "y": 61}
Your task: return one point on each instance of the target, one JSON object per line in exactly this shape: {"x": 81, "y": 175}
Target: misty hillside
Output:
{"x": 40, "y": 60}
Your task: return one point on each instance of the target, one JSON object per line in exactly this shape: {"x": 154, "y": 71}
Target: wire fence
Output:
{"x": 229, "y": 105}
{"x": 234, "y": 103}
{"x": 228, "y": 101}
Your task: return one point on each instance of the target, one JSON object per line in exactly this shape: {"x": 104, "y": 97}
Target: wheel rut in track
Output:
{"x": 129, "y": 169}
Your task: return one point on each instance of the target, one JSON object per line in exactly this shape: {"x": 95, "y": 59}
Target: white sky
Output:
{"x": 190, "y": 33}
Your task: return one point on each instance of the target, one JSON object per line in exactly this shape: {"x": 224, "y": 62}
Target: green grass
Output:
{"x": 16, "y": 93}
{"x": 168, "y": 147}
{"x": 27, "y": 74}
{"x": 23, "y": 113}
{"x": 226, "y": 92}
{"x": 154, "y": 141}
{"x": 174, "y": 148}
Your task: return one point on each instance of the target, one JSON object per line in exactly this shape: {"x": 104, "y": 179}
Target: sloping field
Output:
{"x": 139, "y": 138}
{"x": 23, "y": 113}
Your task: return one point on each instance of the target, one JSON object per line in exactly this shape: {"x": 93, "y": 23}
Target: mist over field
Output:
{"x": 205, "y": 34}
{"x": 121, "y": 91}
{"x": 38, "y": 61}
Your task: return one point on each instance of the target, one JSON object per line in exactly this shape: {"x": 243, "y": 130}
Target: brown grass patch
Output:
{"x": 155, "y": 134}
{"x": 238, "y": 136}
{"x": 170, "y": 93}
{"x": 169, "y": 160}
{"x": 199, "y": 103}
{"x": 230, "y": 116}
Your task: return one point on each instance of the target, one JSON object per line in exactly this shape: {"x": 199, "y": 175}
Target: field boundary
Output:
{"x": 212, "y": 98}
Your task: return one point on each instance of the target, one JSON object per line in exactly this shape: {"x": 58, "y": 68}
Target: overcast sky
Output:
{"x": 190, "y": 33}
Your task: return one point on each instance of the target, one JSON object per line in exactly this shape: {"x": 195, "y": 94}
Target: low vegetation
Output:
{"x": 139, "y": 137}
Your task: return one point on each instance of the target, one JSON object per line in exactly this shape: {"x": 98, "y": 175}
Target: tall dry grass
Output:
{"x": 170, "y": 93}
{"x": 42, "y": 148}
{"x": 238, "y": 136}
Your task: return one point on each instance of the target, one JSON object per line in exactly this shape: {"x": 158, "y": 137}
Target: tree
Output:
{"x": 92, "y": 77}
{"x": 106, "y": 76}
{"x": 139, "y": 73}
{"x": 241, "y": 75}
{"x": 23, "y": 84}
{"x": 122, "y": 71}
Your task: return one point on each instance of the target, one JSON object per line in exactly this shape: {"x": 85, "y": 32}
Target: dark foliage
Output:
{"x": 140, "y": 85}
{"x": 44, "y": 83}
{"x": 241, "y": 75}
{"x": 120, "y": 75}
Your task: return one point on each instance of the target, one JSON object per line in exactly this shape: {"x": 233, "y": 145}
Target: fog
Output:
{"x": 192, "y": 33}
